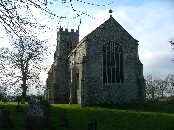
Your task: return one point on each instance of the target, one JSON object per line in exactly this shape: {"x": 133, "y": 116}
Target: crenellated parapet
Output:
{"x": 66, "y": 31}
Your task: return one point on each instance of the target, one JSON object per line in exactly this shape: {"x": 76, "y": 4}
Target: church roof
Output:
{"x": 110, "y": 24}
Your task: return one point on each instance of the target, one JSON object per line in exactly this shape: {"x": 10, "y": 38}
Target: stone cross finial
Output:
{"x": 110, "y": 11}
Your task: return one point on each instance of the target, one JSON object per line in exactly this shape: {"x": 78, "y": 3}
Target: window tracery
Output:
{"x": 113, "y": 63}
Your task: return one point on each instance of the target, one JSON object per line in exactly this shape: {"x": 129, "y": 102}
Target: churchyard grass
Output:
{"x": 150, "y": 116}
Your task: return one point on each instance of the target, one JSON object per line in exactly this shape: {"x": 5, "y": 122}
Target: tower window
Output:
{"x": 113, "y": 63}
{"x": 69, "y": 46}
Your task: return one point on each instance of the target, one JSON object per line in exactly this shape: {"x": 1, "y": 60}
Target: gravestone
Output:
{"x": 92, "y": 126}
{"x": 39, "y": 115}
{"x": 35, "y": 117}
{"x": 5, "y": 121}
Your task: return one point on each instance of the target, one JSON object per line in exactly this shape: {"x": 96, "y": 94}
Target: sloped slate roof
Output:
{"x": 109, "y": 25}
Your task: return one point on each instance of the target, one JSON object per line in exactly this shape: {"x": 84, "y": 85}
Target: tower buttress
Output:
{"x": 66, "y": 42}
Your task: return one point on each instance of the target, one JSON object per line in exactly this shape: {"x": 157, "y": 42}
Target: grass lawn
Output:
{"x": 150, "y": 116}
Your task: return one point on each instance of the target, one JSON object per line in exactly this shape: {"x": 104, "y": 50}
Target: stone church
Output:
{"x": 103, "y": 68}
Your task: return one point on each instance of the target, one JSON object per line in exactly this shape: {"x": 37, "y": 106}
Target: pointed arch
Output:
{"x": 113, "y": 71}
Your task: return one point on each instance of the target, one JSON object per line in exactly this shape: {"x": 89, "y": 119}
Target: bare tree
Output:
{"x": 161, "y": 87}
{"x": 171, "y": 41}
{"x": 152, "y": 90}
{"x": 170, "y": 83}
{"x": 18, "y": 16}
{"x": 18, "y": 19}
{"x": 1, "y": 93}
{"x": 22, "y": 63}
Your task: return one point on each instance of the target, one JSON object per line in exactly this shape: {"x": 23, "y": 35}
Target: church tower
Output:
{"x": 66, "y": 41}
{"x": 59, "y": 75}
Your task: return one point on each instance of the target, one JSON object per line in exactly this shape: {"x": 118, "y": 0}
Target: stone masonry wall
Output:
{"x": 80, "y": 74}
{"x": 59, "y": 87}
{"x": 76, "y": 63}
{"x": 99, "y": 92}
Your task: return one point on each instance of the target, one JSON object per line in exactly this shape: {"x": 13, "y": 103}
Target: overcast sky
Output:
{"x": 151, "y": 22}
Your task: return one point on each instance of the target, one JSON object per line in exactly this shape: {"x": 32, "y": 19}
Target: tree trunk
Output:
{"x": 162, "y": 93}
{"x": 153, "y": 96}
{"x": 23, "y": 95}
{"x": 24, "y": 87}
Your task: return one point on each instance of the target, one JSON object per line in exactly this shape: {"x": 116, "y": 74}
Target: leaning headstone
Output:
{"x": 35, "y": 117}
{"x": 92, "y": 126}
{"x": 5, "y": 121}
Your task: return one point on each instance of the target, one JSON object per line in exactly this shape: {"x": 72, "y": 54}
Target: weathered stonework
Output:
{"x": 58, "y": 76}
{"x": 80, "y": 73}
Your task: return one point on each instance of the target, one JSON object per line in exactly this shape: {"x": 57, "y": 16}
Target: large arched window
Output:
{"x": 113, "y": 63}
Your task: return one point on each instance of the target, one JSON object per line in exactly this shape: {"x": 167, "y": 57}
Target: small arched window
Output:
{"x": 113, "y": 63}
{"x": 69, "y": 46}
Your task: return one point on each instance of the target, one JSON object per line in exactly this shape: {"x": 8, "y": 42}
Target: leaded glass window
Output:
{"x": 113, "y": 63}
